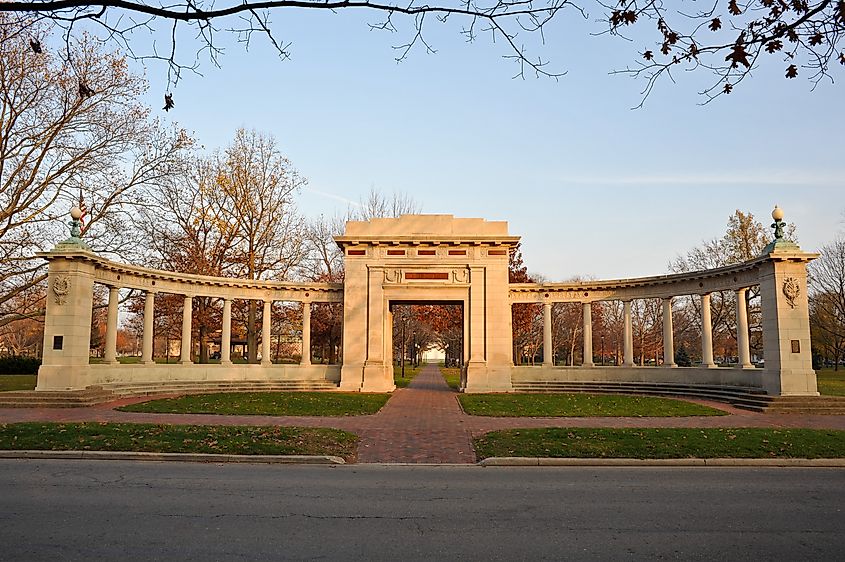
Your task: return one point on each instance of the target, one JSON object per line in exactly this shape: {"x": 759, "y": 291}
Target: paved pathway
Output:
{"x": 422, "y": 423}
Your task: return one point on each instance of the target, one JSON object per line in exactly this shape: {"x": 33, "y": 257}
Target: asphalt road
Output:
{"x": 111, "y": 510}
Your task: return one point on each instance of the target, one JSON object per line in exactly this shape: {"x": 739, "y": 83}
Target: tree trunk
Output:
{"x": 252, "y": 347}
{"x": 201, "y": 335}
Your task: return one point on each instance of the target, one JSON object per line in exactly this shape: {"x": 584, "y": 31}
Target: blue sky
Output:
{"x": 592, "y": 186}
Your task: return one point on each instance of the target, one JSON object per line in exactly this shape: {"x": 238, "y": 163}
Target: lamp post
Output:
{"x": 405, "y": 319}
{"x": 414, "y": 348}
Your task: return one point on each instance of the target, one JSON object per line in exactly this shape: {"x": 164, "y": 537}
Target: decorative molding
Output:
{"x": 392, "y": 275}
{"x": 61, "y": 287}
{"x": 791, "y": 290}
{"x": 460, "y": 275}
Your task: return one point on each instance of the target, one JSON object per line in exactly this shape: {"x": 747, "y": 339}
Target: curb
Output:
{"x": 543, "y": 461}
{"x": 178, "y": 457}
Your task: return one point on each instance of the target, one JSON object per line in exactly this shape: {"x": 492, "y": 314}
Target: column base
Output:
{"x": 481, "y": 377}
{"x": 351, "y": 378}
{"x": 588, "y": 365}
{"x": 378, "y": 378}
{"x": 787, "y": 382}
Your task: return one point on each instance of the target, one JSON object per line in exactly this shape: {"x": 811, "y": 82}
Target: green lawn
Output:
{"x": 17, "y": 382}
{"x": 237, "y": 440}
{"x": 410, "y": 373}
{"x": 831, "y": 383}
{"x": 667, "y": 443}
{"x": 579, "y": 405}
{"x": 267, "y": 404}
{"x": 452, "y": 375}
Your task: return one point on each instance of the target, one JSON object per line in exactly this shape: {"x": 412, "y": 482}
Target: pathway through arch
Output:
{"x": 422, "y": 423}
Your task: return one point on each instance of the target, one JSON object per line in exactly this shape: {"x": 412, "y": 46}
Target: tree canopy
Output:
{"x": 724, "y": 38}
{"x": 61, "y": 142}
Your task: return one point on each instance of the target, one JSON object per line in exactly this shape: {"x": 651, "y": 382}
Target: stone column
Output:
{"x": 548, "y": 351}
{"x": 743, "y": 351}
{"x": 587, "y": 311}
{"x": 706, "y": 333}
{"x": 226, "y": 334}
{"x": 111, "y": 328}
{"x": 306, "y": 334}
{"x": 668, "y": 335}
{"x": 477, "y": 355}
{"x": 187, "y": 310}
{"x": 388, "y": 334}
{"x": 265, "y": 333}
{"x": 627, "y": 336}
{"x": 149, "y": 318}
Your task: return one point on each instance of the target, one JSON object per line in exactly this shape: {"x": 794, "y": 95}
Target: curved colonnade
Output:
{"x": 428, "y": 258}
{"x": 74, "y": 271}
{"x": 737, "y": 279}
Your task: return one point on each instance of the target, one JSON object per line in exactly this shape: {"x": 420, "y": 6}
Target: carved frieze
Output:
{"x": 61, "y": 287}
{"x": 791, "y": 290}
{"x": 460, "y": 275}
{"x": 392, "y": 275}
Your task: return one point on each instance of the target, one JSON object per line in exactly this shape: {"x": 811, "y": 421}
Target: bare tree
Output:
{"x": 324, "y": 261}
{"x": 255, "y": 186}
{"x": 745, "y": 238}
{"x": 68, "y": 129}
{"x": 727, "y": 39}
{"x": 381, "y": 205}
{"x": 827, "y": 302}
{"x": 187, "y": 231}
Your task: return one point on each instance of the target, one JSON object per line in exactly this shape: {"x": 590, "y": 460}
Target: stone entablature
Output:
{"x": 124, "y": 276}
{"x": 729, "y": 278}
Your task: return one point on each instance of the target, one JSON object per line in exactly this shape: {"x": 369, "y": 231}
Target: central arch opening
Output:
{"x": 426, "y": 332}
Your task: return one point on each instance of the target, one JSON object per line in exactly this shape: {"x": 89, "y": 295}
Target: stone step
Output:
{"x": 55, "y": 398}
{"x": 97, "y": 394}
{"x": 745, "y": 398}
{"x": 149, "y": 389}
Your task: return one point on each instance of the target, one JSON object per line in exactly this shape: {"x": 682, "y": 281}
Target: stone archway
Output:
{"x": 418, "y": 326}
{"x": 422, "y": 258}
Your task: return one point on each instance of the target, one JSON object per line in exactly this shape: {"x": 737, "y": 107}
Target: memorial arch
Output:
{"x": 426, "y": 259}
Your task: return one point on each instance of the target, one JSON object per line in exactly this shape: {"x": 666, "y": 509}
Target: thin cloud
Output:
{"x": 710, "y": 179}
{"x": 333, "y": 196}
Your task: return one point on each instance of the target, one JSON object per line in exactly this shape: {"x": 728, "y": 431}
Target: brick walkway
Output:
{"x": 422, "y": 423}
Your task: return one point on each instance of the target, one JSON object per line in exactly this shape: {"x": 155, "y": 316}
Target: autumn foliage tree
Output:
{"x": 69, "y": 128}
{"x": 526, "y": 319}
{"x": 744, "y": 239}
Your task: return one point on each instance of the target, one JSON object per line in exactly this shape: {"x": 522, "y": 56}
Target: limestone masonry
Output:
{"x": 427, "y": 259}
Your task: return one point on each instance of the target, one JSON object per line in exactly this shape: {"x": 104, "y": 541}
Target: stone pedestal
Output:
{"x": 786, "y": 326}
{"x": 67, "y": 323}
